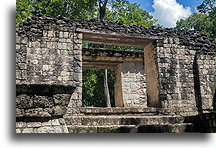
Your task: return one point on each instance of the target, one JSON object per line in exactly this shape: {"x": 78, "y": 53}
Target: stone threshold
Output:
{"x": 122, "y": 110}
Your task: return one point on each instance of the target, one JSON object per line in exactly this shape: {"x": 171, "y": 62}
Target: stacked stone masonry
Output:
{"x": 175, "y": 65}
{"x": 54, "y": 58}
{"x": 133, "y": 84}
{"x": 206, "y": 67}
{"x": 168, "y": 87}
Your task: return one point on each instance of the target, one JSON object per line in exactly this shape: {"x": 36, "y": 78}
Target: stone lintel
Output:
{"x": 111, "y": 55}
{"x": 113, "y": 38}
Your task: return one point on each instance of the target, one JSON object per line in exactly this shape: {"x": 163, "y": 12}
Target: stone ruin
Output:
{"x": 169, "y": 86}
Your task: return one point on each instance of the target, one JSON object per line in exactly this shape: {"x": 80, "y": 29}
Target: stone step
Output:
{"x": 122, "y": 120}
{"x": 167, "y": 128}
{"x": 123, "y": 111}
{"x": 101, "y": 129}
{"x": 159, "y": 128}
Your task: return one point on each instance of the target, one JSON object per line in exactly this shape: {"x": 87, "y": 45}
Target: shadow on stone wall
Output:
{"x": 197, "y": 85}
{"x": 214, "y": 103}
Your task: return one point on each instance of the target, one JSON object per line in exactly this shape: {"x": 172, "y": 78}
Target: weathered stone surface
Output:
{"x": 61, "y": 99}
{"x": 41, "y": 125}
{"x": 184, "y": 37}
{"x": 34, "y": 124}
{"x": 176, "y": 75}
{"x": 59, "y": 110}
{"x": 37, "y": 112}
{"x": 19, "y": 112}
{"x": 43, "y": 101}
{"x": 133, "y": 84}
{"x": 28, "y": 130}
{"x": 206, "y": 69}
{"x": 49, "y": 62}
{"x": 20, "y": 124}
{"x": 24, "y": 101}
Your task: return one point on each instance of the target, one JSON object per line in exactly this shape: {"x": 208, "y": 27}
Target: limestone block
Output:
{"x": 36, "y": 112}
{"x": 45, "y": 130}
{"x": 57, "y": 129}
{"x": 28, "y": 130}
{"x": 46, "y": 123}
{"x": 59, "y": 110}
{"x": 24, "y": 101}
{"x": 20, "y": 124}
{"x": 18, "y": 38}
{"x": 24, "y": 40}
{"x": 43, "y": 101}
{"x": 19, "y": 112}
{"x": 66, "y": 34}
{"x": 55, "y": 122}
{"x": 18, "y": 130}
{"x": 77, "y": 46}
{"x": 18, "y": 74}
{"x": 36, "y": 44}
{"x": 33, "y": 124}
{"x": 50, "y": 33}
{"x": 61, "y": 34}
{"x": 61, "y": 99}
{"x": 78, "y": 35}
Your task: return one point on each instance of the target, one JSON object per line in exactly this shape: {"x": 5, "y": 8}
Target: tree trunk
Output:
{"x": 102, "y": 11}
{"x": 106, "y": 89}
{"x": 102, "y": 8}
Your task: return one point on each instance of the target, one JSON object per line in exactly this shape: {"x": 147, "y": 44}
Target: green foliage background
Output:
{"x": 204, "y": 20}
{"x": 93, "y": 87}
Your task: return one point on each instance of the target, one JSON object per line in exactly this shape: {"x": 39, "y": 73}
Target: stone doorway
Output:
{"x": 129, "y": 71}
{"x": 93, "y": 94}
{"x": 147, "y": 95}
{"x": 116, "y": 97}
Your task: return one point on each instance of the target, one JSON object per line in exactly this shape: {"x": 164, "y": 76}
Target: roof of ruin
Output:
{"x": 33, "y": 28}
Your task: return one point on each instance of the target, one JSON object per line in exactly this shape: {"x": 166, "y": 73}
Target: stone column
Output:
{"x": 76, "y": 97}
{"x": 151, "y": 70}
{"x": 118, "y": 87}
{"x": 206, "y": 77}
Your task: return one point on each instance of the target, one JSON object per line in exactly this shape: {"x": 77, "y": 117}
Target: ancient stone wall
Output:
{"x": 133, "y": 84}
{"x": 152, "y": 74}
{"x": 175, "y": 66}
{"x": 41, "y": 125}
{"x": 49, "y": 70}
{"x": 48, "y": 73}
{"x": 205, "y": 85}
{"x": 207, "y": 122}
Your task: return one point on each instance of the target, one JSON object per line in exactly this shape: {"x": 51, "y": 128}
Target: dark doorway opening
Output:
{"x": 93, "y": 87}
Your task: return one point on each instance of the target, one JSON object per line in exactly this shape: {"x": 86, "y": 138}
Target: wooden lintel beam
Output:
{"x": 100, "y": 65}
{"x": 111, "y": 59}
{"x": 87, "y": 31}
{"x": 111, "y": 42}
{"x": 115, "y": 40}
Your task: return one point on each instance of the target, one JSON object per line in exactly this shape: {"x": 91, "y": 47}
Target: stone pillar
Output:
{"x": 118, "y": 87}
{"x": 151, "y": 70}
{"x": 76, "y": 98}
{"x": 206, "y": 80}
